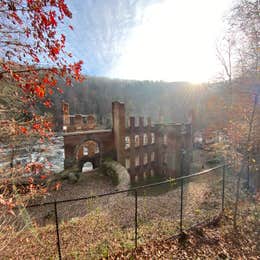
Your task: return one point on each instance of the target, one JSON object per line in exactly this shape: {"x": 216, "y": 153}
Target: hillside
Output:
{"x": 162, "y": 101}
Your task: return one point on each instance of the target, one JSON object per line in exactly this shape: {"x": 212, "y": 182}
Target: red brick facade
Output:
{"x": 144, "y": 149}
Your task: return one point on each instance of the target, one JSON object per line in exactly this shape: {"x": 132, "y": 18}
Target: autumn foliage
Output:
{"x": 32, "y": 60}
{"x": 33, "y": 51}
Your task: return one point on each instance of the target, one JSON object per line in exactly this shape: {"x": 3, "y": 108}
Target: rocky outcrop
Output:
{"x": 118, "y": 173}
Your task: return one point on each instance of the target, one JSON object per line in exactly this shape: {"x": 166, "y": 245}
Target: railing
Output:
{"x": 181, "y": 181}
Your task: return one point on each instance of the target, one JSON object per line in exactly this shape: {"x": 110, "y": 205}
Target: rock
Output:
{"x": 118, "y": 173}
{"x": 73, "y": 177}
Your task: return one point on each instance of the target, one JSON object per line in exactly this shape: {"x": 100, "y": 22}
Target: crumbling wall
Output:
{"x": 77, "y": 122}
{"x": 140, "y": 149}
{"x": 144, "y": 149}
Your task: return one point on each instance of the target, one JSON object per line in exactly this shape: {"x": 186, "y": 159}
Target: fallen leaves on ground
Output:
{"x": 216, "y": 240}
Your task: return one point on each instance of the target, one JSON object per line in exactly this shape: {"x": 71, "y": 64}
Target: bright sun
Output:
{"x": 174, "y": 43}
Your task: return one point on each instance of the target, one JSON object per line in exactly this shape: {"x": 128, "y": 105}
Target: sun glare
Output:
{"x": 173, "y": 43}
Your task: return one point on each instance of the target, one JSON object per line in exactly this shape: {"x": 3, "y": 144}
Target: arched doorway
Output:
{"x": 88, "y": 155}
{"x": 87, "y": 167}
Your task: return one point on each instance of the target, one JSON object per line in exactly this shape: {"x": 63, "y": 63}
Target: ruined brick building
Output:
{"x": 143, "y": 148}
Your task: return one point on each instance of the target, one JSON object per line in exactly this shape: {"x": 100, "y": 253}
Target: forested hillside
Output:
{"x": 162, "y": 101}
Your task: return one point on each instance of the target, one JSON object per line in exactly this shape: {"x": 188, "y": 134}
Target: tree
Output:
{"x": 33, "y": 50}
{"x": 32, "y": 59}
{"x": 244, "y": 21}
{"x": 238, "y": 53}
{"x": 224, "y": 50}
{"x": 242, "y": 127}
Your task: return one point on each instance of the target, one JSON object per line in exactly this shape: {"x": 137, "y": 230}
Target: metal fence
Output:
{"x": 137, "y": 202}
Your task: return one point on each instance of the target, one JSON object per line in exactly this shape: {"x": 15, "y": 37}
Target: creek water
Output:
{"x": 51, "y": 152}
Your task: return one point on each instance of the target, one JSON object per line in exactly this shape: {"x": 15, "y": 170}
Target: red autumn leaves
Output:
{"x": 32, "y": 37}
{"x": 33, "y": 59}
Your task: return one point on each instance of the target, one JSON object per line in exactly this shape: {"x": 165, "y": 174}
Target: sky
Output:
{"x": 170, "y": 40}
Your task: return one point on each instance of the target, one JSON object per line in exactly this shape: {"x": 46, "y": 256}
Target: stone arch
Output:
{"x": 94, "y": 160}
{"x": 93, "y": 153}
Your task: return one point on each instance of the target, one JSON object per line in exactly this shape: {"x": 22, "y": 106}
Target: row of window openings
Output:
{"x": 137, "y": 160}
{"x": 85, "y": 119}
{"x": 136, "y": 123}
{"x": 137, "y": 140}
{"x": 145, "y": 140}
{"x": 86, "y": 151}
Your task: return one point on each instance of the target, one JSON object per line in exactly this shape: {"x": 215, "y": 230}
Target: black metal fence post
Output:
{"x": 57, "y": 229}
{"x": 181, "y": 213}
{"x": 248, "y": 172}
{"x": 223, "y": 188}
{"x": 182, "y": 169}
{"x": 136, "y": 223}
{"x": 182, "y": 179}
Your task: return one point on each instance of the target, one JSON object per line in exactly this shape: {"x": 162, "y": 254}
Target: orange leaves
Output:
{"x": 23, "y": 129}
{"x": 47, "y": 103}
{"x": 47, "y": 80}
{"x": 48, "y": 19}
{"x": 63, "y": 39}
{"x": 40, "y": 91}
{"x": 16, "y": 76}
{"x": 41, "y": 126}
{"x": 76, "y": 68}
{"x": 36, "y": 59}
{"x": 45, "y": 44}
{"x": 36, "y": 126}
{"x": 33, "y": 167}
{"x": 51, "y": 34}
{"x": 53, "y": 82}
{"x": 32, "y": 82}
{"x": 64, "y": 8}
{"x": 44, "y": 19}
{"x": 43, "y": 177}
{"x": 55, "y": 71}
{"x": 57, "y": 186}
{"x": 50, "y": 91}
{"x": 52, "y": 20}
{"x": 47, "y": 124}
{"x": 54, "y": 51}
{"x": 37, "y": 43}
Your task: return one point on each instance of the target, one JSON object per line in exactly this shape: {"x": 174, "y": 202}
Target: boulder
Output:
{"x": 117, "y": 172}
{"x": 73, "y": 177}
